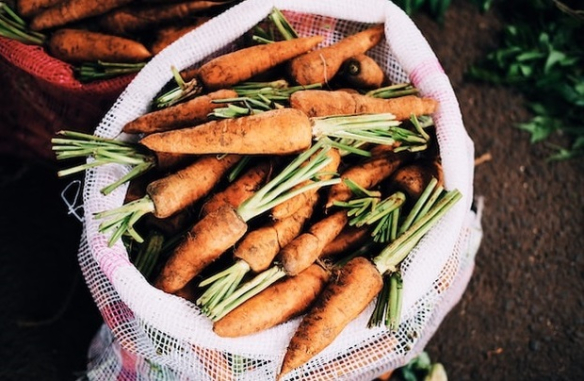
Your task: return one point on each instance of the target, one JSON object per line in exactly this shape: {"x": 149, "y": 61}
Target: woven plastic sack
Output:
{"x": 40, "y": 95}
{"x": 148, "y": 334}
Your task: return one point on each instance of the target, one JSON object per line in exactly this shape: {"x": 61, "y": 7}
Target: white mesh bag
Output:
{"x": 150, "y": 335}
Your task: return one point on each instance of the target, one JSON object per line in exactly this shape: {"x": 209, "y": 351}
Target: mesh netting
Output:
{"x": 148, "y": 334}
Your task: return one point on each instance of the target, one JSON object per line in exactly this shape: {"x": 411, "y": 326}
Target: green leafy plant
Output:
{"x": 541, "y": 55}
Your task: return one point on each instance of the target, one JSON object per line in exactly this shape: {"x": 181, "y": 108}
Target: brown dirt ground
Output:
{"x": 519, "y": 319}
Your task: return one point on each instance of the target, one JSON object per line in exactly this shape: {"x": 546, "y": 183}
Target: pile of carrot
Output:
{"x": 107, "y": 38}
{"x": 305, "y": 191}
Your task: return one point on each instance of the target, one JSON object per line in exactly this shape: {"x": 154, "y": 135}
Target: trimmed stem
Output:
{"x": 124, "y": 218}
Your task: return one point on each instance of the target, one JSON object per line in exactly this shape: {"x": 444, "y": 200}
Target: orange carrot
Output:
{"x": 189, "y": 113}
{"x": 139, "y": 17}
{"x": 231, "y": 68}
{"x": 362, "y": 72}
{"x": 184, "y": 263}
{"x": 413, "y": 178}
{"x": 321, "y": 65}
{"x": 369, "y": 173}
{"x": 68, "y": 11}
{"x": 77, "y": 46}
{"x": 349, "y": 238}
{"x": 260, "y": 246}
{"x": 241, "y": 189}
{"x": 305, "y": 249}
{"x": 168, "y": 35}
{"x": 276, "y": 304}
{"x": 323, "y": 103}
{"x": 291, "y": 206}
{"x": 339, "y": 303}
{"x": 280, "y": 131}
{"x": 28, "y": 8}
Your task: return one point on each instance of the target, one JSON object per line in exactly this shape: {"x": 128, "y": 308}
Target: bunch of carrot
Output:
{"x": 103, "y": 39}
{"x": 292, "y": 181}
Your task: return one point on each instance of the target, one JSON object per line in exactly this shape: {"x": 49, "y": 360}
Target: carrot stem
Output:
{"x": 393, "y": 91}
{"x": 14, "y": 27}
{"x": 124, "y": 218}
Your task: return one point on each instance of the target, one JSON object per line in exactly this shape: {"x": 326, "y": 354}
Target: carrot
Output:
{"x": 307, "y": 247}
{"x": 238, "y": 66}
{"x": 291, "y": 206}
{"x": 368, "y": 173}
{"x": 341, "y": 301}
{"x": 275, "y": 305}
{"x": 68, "y": 11}
{"x": 189, "y": 113}
{"x": 241, "y": 189}
{"x": 362, "y": 72}
{"x": 413, "y": 178}
{"x": 317, "y": 103}
{"x": 321, "y": 65}
{"x": 77, "y": 46}
{"x": 194, "y": 253}
{"x": 139, "y": 17}
{"x": 168, "y": 35}
{"x": 280, "y": 131}
{"x": 349, "y": 238}
{"x": 28, "y": 8}
{"x": 169, "y": 195}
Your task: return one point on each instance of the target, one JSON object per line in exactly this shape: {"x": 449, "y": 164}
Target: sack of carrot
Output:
{"x": 283, "y": 193}
{"x": 65, "y": 62}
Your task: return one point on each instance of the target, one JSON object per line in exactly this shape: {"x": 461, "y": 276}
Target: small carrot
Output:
{"x": 189, "y": 113}
{"x": 349, "y": 238}
{"x": 281, "y": 131}
{"x": 77, "y": 46}
{"x": 413, "y": 178}
{"x": 368, "y": 173}
{"x": 138, "y": 17}
{"x": 69, "y": 11}
{"x": 276, "y": 304}
{"x": 238, "y": 66}
{"x": 305, "y": 249}
{"x": 168, "y": 195}
{"x": 322, "y": 103}
{"x": 241, "y": 189}
{"x": 341, "y": 301}
{"x": 362, "y": 72}
{"x": 321, "y": 65}
{"x": 291, "y": 206}
{"x": 167, "y": 35}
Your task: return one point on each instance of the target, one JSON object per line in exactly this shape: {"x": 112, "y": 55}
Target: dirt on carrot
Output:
{"x": 28, "y": 8}
{"x": 169, "y": 34}
{"x": 362, "y": 72}
{"x": 413, "y": 178}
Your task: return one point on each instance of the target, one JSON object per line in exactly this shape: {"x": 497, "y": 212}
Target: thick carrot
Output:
{"x": 349, "y": 238}
{"x": 238, "y": 66}
{"x": 341, "y": 301}
{"x": 28, "y": 8}
{"x": 280, "y": 131}
{"x": 139, "y": 17}
{"x": 276, "y": 304}
{"x": 321, "y": 65}
{"x": 181, "y": 189}
{"x": 362, "y": 72}
{"x": 184, "y": 263}
{"x": 168, "y": 35}
{"x": 68, "y": 11}
{"x": 78, "y": 46}
{"x": 189, "y": 113}
{"x": 317, "y": 103}
{"x": 305, "y": 249}
{"x": 291, "y": 206}
{"x": 260, "y": 246}
{"x": 241, "y": 189}
{"x": 369, "y": 173}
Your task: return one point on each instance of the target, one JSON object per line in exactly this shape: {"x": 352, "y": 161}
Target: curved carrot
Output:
{"x": 321, "y": 65}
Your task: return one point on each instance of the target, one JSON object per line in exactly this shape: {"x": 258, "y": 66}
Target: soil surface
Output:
{"x": 520, "y": 318}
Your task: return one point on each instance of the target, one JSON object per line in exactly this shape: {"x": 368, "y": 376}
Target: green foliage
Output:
{"x": 541, "y": 55}
{"x": 436, "y": 8}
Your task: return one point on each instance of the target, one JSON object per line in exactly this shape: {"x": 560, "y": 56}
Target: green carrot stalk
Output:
{"x": 14, "y": 27}
{"x": 92, "y": 71}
